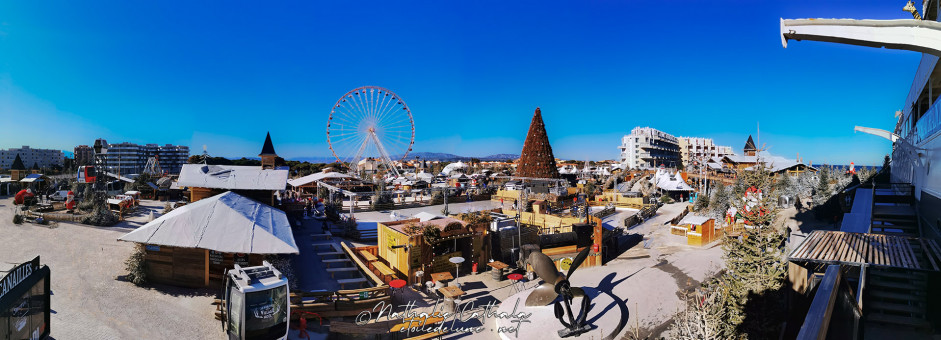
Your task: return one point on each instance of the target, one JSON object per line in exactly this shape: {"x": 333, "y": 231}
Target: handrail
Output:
{"x": 818, "y": 316}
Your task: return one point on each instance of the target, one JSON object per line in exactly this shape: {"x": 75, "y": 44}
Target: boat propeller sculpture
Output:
{"x": 556, "y": 285}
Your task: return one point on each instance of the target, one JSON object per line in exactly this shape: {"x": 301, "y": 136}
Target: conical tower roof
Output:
{"x": 750, "y": 145}
{"x": 17, "y": 164}
{"x": 536, "y": 159}
{"x": 268, "y": 148}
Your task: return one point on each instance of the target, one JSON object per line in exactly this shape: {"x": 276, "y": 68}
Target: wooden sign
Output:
{"x": 241, "y": 259}
{"x": 215, "y": 257}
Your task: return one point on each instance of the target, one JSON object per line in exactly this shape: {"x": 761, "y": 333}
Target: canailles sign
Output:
{"x": 24, "y": 302}
{"x": 17, "y": 275}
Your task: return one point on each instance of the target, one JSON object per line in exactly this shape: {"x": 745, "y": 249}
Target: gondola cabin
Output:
{"x": 256, "y": 303}
{"x": 86, "y": 174}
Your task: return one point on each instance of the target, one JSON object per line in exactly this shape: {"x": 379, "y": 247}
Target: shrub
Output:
{"x": 666, "y": 199}
{"x": 17, "y": 219}
{"x": 167, "y": 207}
{"x": 136, "y": 267}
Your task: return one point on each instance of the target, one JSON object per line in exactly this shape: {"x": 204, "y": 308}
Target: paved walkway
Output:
{"x": 89, "y": 299}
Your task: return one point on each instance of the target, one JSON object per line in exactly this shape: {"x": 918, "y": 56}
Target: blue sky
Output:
{"x": 223, "y": 73}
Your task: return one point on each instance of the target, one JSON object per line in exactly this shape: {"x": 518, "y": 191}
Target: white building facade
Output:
{"x": 41, "y": 157}
{"x": 129, "y": 158}
{"x": 692, "y": 148}
{"x": 647, "y": 148}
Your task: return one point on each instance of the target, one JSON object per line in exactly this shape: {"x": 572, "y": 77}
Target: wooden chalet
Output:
{"x": 191, "y": 246}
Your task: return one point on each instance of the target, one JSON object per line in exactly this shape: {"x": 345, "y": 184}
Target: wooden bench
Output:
{"x": 336, "y": 261}
{"x": 330, "y": 253}
{"x": 333, "y": 271}
{"x": 383, "y": 269}
{"x": 359, "y": 282}
{"x": 368, "y": 256}
{"x": 326, "y": 235}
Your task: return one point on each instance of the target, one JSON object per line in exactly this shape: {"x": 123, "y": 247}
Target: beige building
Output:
{"x": 695, "y": 147}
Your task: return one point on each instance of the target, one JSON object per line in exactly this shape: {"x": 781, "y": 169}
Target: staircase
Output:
{"x": 897, "y": 298}
{"x": 893, "y": 211}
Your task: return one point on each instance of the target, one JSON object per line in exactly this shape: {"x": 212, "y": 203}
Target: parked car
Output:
{"x": 60, "y": 195}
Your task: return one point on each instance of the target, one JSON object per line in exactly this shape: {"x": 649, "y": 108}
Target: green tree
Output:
{"x": 822, "y": 191}
{"x": 719, "y": 203}
{"x": 746, "y": 300}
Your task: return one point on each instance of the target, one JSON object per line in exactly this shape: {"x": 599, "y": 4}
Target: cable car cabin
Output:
{"x": 86, "y": 174}
{"x": 256, "y": 303}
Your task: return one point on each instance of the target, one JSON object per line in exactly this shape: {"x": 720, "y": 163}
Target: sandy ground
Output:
{"x": 90, "y": 300}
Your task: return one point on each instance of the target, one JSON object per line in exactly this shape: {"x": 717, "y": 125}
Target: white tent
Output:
{"x": 316, "y": 177}
{"x": 227, "y": 222}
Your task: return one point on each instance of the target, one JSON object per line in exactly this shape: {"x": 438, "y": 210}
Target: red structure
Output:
{"x": 536, "y": 159}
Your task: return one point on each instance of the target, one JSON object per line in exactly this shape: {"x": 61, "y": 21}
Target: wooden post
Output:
{"x": 206, "y": 275}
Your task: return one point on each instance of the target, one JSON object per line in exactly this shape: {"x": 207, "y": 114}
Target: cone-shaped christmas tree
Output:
{"x": 537, "y": 160}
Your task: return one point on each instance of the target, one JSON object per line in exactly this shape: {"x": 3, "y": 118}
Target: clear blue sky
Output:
{"x": 224, "y": 73}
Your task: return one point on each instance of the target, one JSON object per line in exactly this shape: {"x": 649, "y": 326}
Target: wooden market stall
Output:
{"x": 413, "y": 245}
{"x": 699, "y": 230}
{"x": 192, "y": 245}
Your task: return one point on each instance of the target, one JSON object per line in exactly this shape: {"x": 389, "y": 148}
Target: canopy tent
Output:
{"x": 316, "y": 177}
{"x": 670, "y": 182}
{"x": 227, "y": 222}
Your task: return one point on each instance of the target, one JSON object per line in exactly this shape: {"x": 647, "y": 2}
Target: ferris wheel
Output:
{"x": 370, "y": 122}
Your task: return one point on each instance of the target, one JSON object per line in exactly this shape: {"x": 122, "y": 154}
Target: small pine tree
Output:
{"x": 719, "y": 203}
{"x": 822, "y": 191}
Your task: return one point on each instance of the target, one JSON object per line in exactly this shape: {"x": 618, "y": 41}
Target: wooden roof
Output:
{"x": 837, "y": 247}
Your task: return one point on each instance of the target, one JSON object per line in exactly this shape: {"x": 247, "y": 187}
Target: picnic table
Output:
{"x": 442, "y": 276}
{"x": 451, "y": 292}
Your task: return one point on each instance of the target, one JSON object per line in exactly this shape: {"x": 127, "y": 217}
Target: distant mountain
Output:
{"x": 314, "y": 159}
{"x": 500, "y": 157}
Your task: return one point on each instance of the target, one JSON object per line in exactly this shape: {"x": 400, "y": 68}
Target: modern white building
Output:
{"x": 647, "y": 148}
{"x": 129, "y": 158}
{"x": 692, "y": 148}
{"x": 41, "y": 157}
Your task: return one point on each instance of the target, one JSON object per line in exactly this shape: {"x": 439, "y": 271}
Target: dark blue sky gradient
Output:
{"x": 224, "y": 73}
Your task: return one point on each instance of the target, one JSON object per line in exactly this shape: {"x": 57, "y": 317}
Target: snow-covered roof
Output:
{"x": 227, "y": 222}
{"x": 32, "y": 178}
{"x": 232, "y": 177}
{"x": 670, "y": 182}
{"x": 694, "y": 219}
{"x": 316, "y": 177}
{"x": 425, "y": 216}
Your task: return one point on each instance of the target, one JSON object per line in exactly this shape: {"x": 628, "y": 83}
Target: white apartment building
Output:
{"x": 129, "y": 158}
{"x": 41, "y": 157}
{"x": 692, "y": 148}
{"x": 647, "y": 148}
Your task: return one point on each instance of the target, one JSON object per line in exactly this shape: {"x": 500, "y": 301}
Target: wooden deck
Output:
{"x": 836, "y": 247}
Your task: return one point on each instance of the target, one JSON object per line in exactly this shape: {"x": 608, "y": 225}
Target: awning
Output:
{"x": 837, "y": 247}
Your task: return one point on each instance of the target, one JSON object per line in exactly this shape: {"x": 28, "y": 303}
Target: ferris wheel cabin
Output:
{"x": 257, "y": 305}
